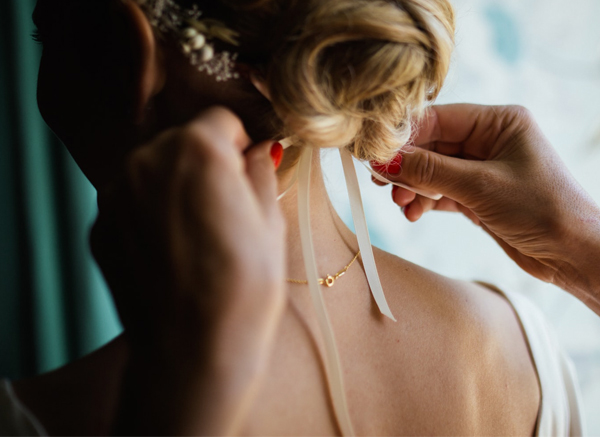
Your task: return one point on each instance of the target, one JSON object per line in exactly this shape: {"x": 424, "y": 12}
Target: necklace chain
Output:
{"x": 329, "y": 280}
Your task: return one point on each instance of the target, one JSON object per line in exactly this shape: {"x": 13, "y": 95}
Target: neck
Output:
{"x": 335, "y": 245}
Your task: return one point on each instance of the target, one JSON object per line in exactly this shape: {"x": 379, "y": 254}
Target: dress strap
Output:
{"x": 560, "y": 412}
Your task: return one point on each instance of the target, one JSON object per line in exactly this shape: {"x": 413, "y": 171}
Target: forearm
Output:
{"x": 579, "y": 274}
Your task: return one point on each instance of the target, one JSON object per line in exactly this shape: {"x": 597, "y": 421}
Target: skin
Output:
{"x": 495, "y": 166}
{"x": 187, "y": 197}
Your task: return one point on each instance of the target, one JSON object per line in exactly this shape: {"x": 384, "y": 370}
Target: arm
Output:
{"x": 579, "y": 273}
{"x": 200, "y": 296}
{"x": 495, "y": 165}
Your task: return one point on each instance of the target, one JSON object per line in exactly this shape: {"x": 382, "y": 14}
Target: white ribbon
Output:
{"x": 362, "y": 233}
{"x": 333, "y": 366}
{"x": 332, "y": 360}
{"x": 290, "y": 185}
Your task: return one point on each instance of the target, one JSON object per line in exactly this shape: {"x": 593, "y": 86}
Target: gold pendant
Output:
{"x": 329, "y": 281}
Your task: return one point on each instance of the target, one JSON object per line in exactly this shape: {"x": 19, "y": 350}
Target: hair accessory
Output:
{"x": 328, "y": 281}
{"x": 195, "y": 36}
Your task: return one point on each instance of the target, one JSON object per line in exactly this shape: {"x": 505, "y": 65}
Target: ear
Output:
{"x": 148, "y": 73}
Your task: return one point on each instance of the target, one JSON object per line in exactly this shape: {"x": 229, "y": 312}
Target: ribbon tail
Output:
{"x": 290, "y": 186}
{"x": 332, "y": 359}
{"x": 362, "y": 233}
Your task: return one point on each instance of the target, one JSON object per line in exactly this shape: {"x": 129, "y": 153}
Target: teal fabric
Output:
{"x": 54, "y": 305}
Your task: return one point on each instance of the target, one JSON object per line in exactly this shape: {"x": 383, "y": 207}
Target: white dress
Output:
{"x": 560, "y": 409}
{"x": 560, "y": 412}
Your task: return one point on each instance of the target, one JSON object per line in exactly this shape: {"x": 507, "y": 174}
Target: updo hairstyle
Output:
{"x": 345, "y": 73}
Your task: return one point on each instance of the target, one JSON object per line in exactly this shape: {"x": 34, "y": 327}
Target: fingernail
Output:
{"x": 392, "y": 168}
{"x": 395, "y": 165}
{"x": 378, "y": 167}
{"x": 277, "y": 154}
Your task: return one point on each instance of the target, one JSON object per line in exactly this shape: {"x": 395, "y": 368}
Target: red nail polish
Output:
{"x": 277, "y": 154}
{"x": 392, "y": 168}
{"x": 395, "y": 165}
{"x": 378, "y": 167}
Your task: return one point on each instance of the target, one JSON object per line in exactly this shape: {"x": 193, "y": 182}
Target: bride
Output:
{"x": 245, "y": 314}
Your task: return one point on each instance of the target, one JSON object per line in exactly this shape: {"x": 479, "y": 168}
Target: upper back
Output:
{"x": 456, "y": 362}
{"x": 461, "y": 357}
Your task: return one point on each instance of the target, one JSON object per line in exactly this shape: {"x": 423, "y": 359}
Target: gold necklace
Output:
{"x": 329, "y": 280}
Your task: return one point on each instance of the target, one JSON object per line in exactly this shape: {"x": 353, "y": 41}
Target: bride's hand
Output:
{"x": 191, "y": 241}
{"x": 495, "y": 165}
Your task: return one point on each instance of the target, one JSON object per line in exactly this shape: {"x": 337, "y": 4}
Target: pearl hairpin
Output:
{"x": 195, "y": 36}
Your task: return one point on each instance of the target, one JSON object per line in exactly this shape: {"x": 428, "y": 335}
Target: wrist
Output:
{"x": 578, "y": 271}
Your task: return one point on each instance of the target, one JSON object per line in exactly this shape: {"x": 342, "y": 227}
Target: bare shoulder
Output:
{"x": 471, "y": 338}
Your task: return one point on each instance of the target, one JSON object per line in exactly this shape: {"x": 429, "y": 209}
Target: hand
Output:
{"x": 191, "y": 241}
{"x": 494, "y": 165}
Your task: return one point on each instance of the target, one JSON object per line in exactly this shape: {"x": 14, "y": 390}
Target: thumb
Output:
{"x": 261, "y": 173}
{"x": 455, "y": 178}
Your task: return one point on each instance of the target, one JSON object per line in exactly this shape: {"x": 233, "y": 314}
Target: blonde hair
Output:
{"x": 350, "y": 73}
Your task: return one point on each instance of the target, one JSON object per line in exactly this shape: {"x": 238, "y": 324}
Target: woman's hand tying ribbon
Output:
{"x": 191, "y": 241}
{"x": 495, "y": 166}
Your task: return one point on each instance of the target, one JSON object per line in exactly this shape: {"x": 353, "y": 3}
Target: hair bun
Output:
{"x": 357, "y": 72}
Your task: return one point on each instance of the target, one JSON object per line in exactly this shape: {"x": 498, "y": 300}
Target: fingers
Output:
{"x": 402, "y": 196}
{"x": 429, "y": 130}
{"x": 415, "y": 210}
{"x": 378, "y": 182}
{"x": 223, "y": 127}
{"x": 449, "y": 123}
{"x": 428, "y": 171}
{"x": 421, "y": 205}
{"x": 458, "y": 179}
{"x": 468, "y": 131}
{"x": 214, "y": 146}
{"x": 261, "y": 174}
{"x": 414, "y": 206}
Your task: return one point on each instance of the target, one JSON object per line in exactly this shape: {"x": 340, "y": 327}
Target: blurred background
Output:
{"x": 54, "y": 306}
{"x": 542, "y": 54}
{"x": 53, "y": 303}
